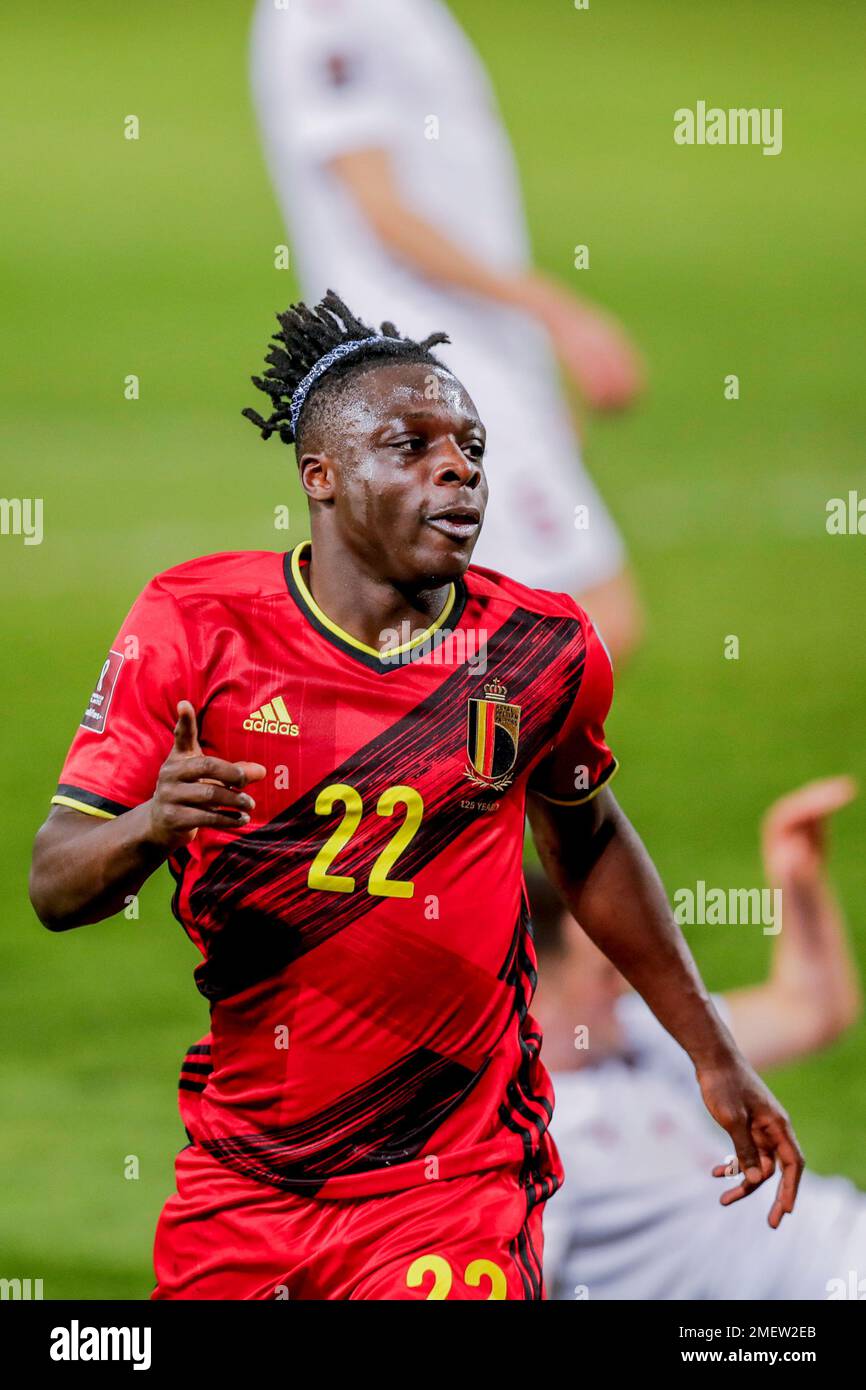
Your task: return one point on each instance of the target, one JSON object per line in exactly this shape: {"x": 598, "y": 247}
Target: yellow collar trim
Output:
{"x": 347, "y": 636}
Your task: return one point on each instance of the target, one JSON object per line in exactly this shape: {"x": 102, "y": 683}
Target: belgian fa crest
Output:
{"x": 491, "y": 738}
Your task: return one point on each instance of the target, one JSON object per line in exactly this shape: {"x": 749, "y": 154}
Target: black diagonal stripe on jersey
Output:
{"x": 515, "y": 1253}
{"x": 254, "y": 906}
{"x": 532, "y": 1255}
{"x": 505, "y": 968}
{"x": 518, "y": 1112}
{"x": 524, "y": 1246}
{"x": 524, "y": 1097}
{"x": 519, "y": 1250}
{"x": 385, "y": 1121}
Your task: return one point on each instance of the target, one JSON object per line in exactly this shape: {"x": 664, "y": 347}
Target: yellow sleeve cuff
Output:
{"x": 82, "y": 806}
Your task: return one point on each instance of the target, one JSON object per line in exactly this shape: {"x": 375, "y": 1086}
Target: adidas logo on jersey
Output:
{"x": 272, "y": 718}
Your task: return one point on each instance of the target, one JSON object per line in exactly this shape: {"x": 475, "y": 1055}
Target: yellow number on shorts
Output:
{"x": 318, "y": 877}
{"x": 443, "y": 1277}
{"x": 439, "y": 1268}
{"x": 486, "y": 1269}
{"x": 380, "y": 884}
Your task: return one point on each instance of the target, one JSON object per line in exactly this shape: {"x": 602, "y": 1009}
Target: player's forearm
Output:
{"x": 426, "y": 249}
{"x": 85, "y": 870}
{"x": 812, "y": 965}
{"x": 599, "y": 864}
{"x": 369, "y": 178}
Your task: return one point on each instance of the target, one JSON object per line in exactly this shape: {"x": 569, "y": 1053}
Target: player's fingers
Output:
{"x": 195, "y": 769}
{"x": 186, "y": 729}
{"x": 747, "y": 1154}
{"x": 747, "y": 1186}
{"x": 179, "y": 819}
{"x": 786, "y": 1195}
{"x": 254, "y": 772}
{"x": 207, "y": 794}
{"x": 811, "y": 802}
{"x": 736, "y": 1194}
{"x": 792, "y": 1165}
{"x": 731, "y": 1167}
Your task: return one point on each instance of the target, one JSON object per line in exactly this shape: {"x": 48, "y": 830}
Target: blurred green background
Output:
{"x": 155, "y": 257}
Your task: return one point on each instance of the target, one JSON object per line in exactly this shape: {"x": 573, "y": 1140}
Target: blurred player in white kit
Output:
{"x": 397, "y": 181}
{"x": 638, "y": 1216}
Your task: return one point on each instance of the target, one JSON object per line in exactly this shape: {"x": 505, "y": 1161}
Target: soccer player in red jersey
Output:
{"x": 335, "y": 751}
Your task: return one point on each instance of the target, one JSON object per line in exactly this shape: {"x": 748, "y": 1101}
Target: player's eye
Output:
{"x": 413, "y": 444}
{"x": 474, "y": 450}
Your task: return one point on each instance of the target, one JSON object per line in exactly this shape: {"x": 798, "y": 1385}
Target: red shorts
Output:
{"x": 224, "y": 1236}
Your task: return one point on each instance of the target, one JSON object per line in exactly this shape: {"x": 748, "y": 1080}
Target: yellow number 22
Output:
{"x": 443, "y": 1277}
{"x": 380, "y": 885}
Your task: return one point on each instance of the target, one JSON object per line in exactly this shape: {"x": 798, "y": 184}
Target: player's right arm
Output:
{"x": 85, "y": 868}
{"x": 135, "y": 785}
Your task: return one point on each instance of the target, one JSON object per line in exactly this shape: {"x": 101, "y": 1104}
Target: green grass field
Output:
{"x": 155, "y": 257}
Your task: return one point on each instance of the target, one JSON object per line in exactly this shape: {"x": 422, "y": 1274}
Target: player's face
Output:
{"x": 409, "y": 490}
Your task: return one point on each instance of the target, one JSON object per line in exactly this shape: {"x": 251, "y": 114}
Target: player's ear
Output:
{"x": 317, "y": 476}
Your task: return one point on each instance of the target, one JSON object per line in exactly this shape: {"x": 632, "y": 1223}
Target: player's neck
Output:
{"x": 365, "y": 605}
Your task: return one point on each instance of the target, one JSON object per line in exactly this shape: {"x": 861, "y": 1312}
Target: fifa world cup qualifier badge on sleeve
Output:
{"x": 492, "y": 734}
{"x": 95, "y": 715}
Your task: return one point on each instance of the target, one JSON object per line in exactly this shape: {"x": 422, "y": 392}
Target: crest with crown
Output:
{"x": 495, "y": 690}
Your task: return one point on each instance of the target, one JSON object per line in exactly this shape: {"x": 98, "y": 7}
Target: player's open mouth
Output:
{"x": 458, "y": 523}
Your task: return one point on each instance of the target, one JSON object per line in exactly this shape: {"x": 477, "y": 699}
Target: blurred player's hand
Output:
{"x": 739, "y": 1101}
{"x": 592, "y": 347}
{"x": 794, "y": 831}
{"x": 194, "y": 790}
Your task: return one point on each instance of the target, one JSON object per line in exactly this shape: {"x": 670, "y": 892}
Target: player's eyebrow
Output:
{"x": 470, "y": 421}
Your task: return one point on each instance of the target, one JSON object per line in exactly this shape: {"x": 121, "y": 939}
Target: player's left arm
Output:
{"x": 597, "y": 862}
{"x": 608, "y": 881}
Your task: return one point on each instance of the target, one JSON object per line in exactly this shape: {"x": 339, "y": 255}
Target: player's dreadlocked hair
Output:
{"x": 328, "y": 330}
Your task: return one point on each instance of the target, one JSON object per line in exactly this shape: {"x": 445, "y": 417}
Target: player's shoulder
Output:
{"x": 227, "y": 574}
{"x": 493, "y": 586}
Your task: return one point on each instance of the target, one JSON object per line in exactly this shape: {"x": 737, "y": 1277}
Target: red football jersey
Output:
{"x": 366, "y": 947}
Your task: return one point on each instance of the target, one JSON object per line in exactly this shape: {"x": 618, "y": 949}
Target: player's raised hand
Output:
{"x": 186, "y": 731}
{"x": 763, "y": 1138}
{"x": 794, "y": 832}
{"x": 195, "y": 790}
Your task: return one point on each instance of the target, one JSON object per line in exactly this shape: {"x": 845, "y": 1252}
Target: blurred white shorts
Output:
{"x": 546, "y": 523}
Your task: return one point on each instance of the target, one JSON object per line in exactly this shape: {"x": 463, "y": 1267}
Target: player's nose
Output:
{"x": 451, "y": 465}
